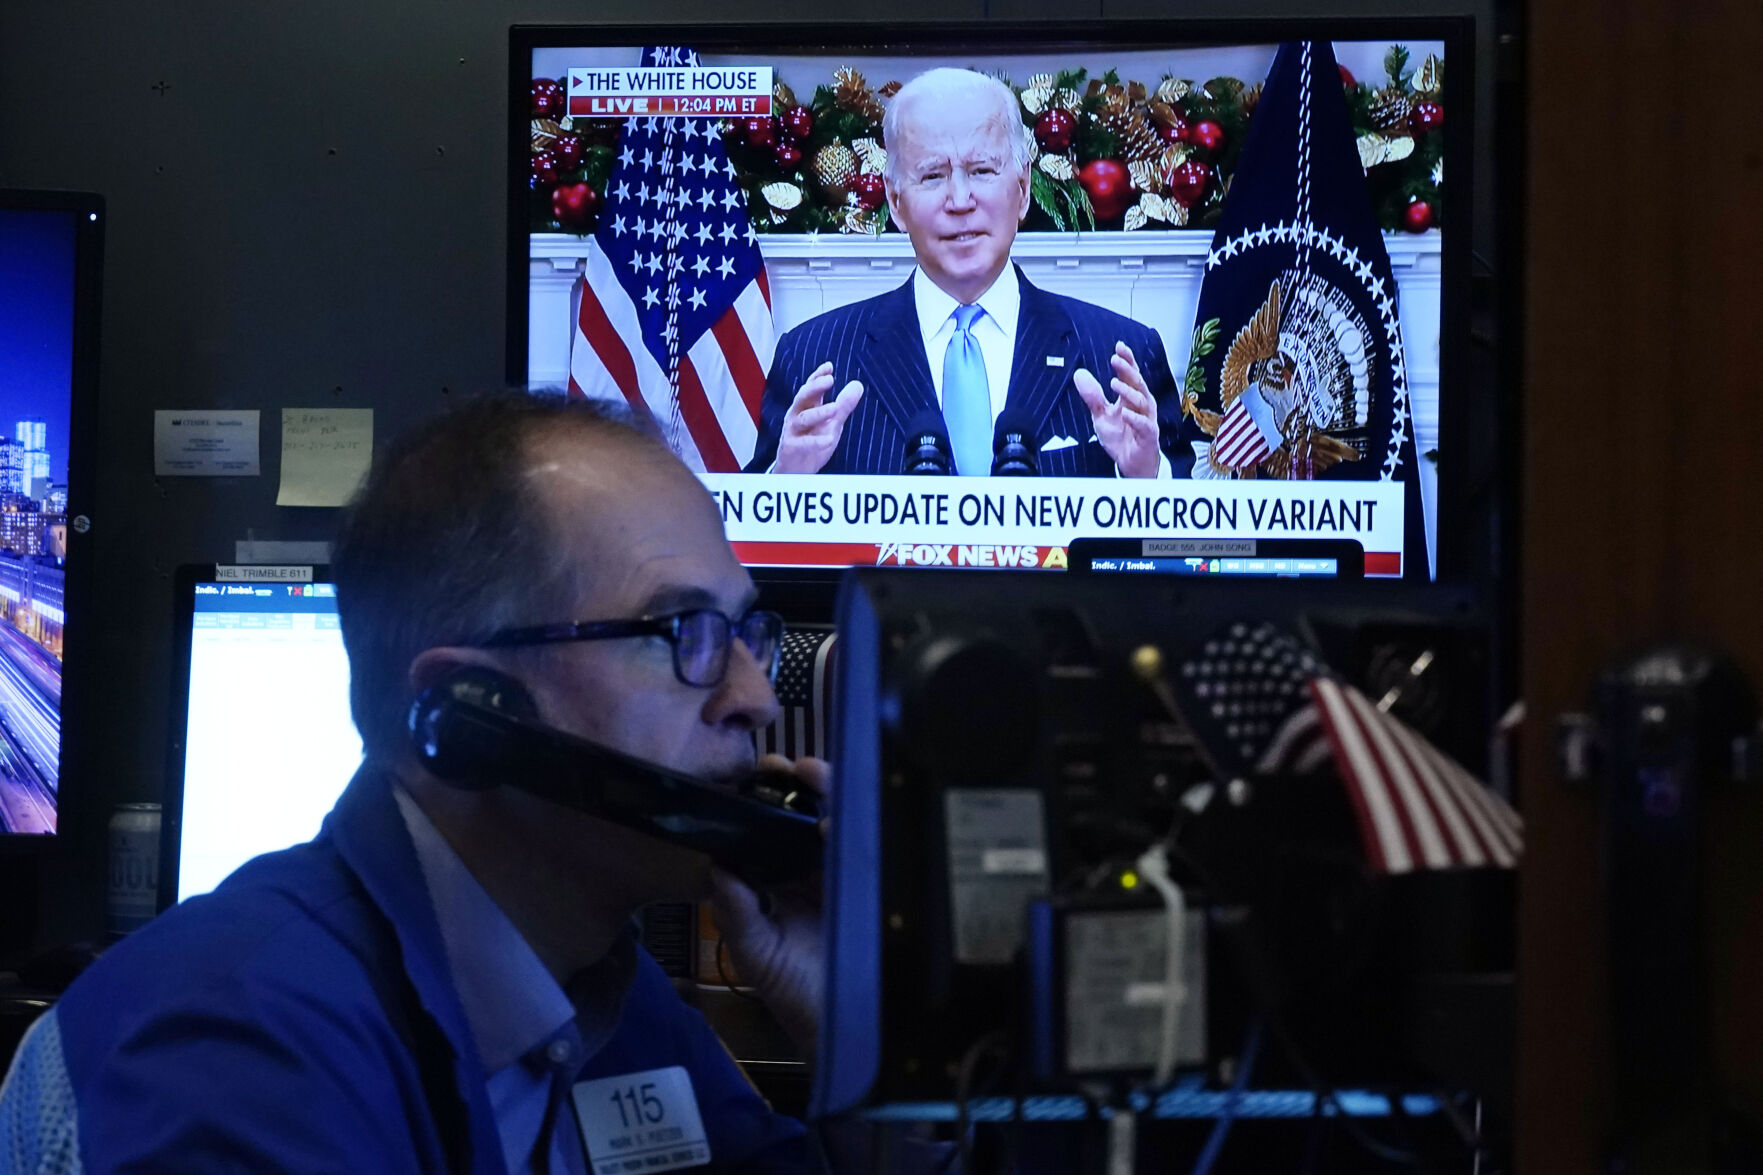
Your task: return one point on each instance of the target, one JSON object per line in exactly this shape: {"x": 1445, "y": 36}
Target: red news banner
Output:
{"x": 809, "y": 521}
{"x": 741, "y": 91}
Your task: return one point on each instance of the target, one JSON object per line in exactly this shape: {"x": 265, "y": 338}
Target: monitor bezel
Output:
{"x": 77, "y": 697}
{"x": 184, "y": 582}
{"x": 1475, "y": 560}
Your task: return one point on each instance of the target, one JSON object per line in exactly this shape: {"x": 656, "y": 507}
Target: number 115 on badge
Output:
{"x": 641, "y": 1122}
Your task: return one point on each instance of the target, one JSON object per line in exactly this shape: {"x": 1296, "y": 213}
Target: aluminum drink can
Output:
{"x": 133, "y": 896}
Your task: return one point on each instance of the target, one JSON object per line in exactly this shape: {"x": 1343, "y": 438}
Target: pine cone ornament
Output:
{"x": 851, "y": 92}
{"x": 1138, "y": 140}
{"x": 1390, "y": 110}
{"x": 1123, "y": 115}
{"x": 835, "y": 167}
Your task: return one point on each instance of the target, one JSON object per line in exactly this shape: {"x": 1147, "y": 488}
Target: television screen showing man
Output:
{"x": 1005, "y": 263}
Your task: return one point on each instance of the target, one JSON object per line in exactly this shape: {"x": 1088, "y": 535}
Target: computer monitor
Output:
{"x": 51, "y": 254}
{"x": 262, "y": 740}
{"x": 701, "y": 215}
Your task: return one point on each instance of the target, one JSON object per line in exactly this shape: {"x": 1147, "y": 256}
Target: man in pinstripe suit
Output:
{"x": 958, "y": 183}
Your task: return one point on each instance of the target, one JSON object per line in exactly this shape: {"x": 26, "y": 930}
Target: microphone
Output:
{"x": 927, "y": 445}
{"x": 1013, "y": 445}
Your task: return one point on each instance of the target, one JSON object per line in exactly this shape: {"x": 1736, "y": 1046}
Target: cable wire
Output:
{"x": 1154, "y": 868}
{"x": 1232, "y": 1103}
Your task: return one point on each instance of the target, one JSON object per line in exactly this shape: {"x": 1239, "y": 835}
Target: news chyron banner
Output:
{"x": 811, "y": 521}
{"x": 714, "y": 242}
{"x": 675, "y": 89}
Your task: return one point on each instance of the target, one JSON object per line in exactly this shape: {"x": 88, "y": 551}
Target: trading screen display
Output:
{"x": 37, "y": 306}
{"x": 1217, "y": 310}
{"x": 268, "y": 741}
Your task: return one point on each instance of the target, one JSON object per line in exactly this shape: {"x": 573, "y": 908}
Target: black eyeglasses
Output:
{"x": 700, "y": 639}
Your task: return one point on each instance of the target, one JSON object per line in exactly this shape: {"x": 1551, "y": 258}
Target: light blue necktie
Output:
{"x": 967, "y": 397}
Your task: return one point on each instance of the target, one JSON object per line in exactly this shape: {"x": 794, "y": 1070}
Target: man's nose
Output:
{"x": 745, "y": 698}
{"x": 960, "y": 192}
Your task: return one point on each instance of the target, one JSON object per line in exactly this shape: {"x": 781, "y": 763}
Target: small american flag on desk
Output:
{"x": 805, "y": 690}
{"x": 675, "y": 312}
{"x": 1263, "y": 704}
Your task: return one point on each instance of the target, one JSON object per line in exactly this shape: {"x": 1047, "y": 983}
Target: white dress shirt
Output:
{"x": 995, "y": 332}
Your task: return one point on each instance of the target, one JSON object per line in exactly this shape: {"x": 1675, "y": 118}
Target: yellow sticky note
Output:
{"x": 325, "y": 454}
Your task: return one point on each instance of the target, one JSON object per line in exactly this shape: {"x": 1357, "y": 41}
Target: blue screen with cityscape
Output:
{"x": 37, "y": 271}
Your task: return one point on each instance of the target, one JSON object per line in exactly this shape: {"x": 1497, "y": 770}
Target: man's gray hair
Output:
{"x": 967, "y": 87}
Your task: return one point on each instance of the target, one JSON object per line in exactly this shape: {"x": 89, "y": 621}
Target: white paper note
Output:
{"x": 325, "y": 454}
{"x": 205, "y": 443}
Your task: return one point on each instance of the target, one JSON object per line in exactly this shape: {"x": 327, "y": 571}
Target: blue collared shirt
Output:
{"x": 530, "y": 1034}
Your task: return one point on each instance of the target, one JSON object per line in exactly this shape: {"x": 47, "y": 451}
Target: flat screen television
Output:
{"x": 1271, "y": 213}
{"x": 51, "y": 259}
{"x": 262, "y": 741}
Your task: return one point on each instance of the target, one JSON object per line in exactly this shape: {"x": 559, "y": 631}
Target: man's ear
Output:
{"x": 431, "y": 665}
{"x": 1027, "y": 187}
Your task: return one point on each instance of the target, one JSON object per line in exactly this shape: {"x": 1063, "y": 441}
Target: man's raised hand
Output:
{"x": 812, "y": 428}
{"x": 1127, "y": 428}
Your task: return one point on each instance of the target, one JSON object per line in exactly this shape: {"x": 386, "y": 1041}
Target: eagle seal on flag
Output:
{"x": 1296, "y": 370}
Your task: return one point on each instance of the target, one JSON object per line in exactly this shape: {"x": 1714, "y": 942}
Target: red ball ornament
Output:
{"x": 798, "y": 122}
{"x": 1347, "y": 78}
{"x": 544, "y": 168}
{"x": 547, "y": 98}
{"x": 1054, "y": 128}
{"x": 568, "y": 148}
{"x": 1426, "y": 117}
{"x": 788, "y": 156}
{"x": 1417, "y": 217}
{"x": 1208, "y": 136}
{"x": 1108, "y": 185}
{"x": 870, "y": 191}
{"x": 758, "y": 132}
{"x": 1187, "y": 182}
{"x": 1177, "y": 131}
{"x": 574, "y": 205}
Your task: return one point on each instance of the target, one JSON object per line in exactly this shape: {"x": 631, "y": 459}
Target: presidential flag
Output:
{"x": 1263, "y": 705}
{"x": 1297, "y": 369}
{"x": 675, "y": 311}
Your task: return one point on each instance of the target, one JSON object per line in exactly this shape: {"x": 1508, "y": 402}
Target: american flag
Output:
{"x": 675, "y": 310}
{"x": 805, "y": 689}
{"x": 1263, "y": 704}
{"x": 1239, "y": 443}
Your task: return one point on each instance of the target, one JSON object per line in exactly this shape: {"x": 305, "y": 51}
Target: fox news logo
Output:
{"x": 968, "y": 555}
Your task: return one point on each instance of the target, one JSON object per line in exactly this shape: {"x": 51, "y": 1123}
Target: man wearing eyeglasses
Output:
{"x": 447, "y": 979}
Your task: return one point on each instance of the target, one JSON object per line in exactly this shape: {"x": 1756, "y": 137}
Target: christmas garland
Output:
{"x": 1108, "y": 154}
